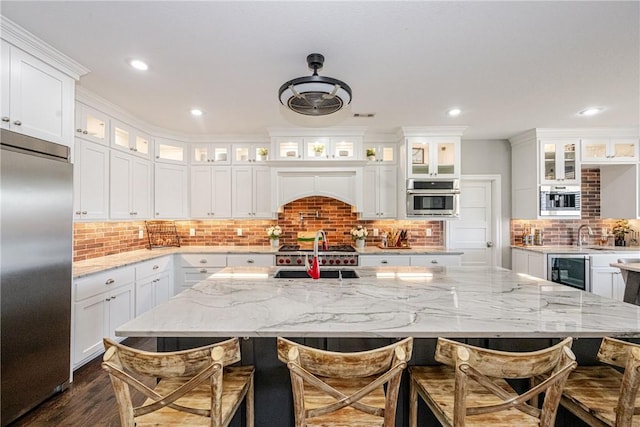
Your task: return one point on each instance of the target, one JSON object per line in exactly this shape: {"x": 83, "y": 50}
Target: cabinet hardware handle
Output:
{"x": 109, "y": 282}
{"x": 85, "y": 132}
{"x": 157, "y": 157}
{"x": 84, "y": 212}
{"x": 434, "y": 261}
{"x": 108, "y": 299}
{"x": 156, "y": 266}
{"x": 130, "y": 148}
{"x": 17, "y": 123}
{"x": 384, "y": 261}
{"x": 5, "y": 119}
{"x": 113, "y": 297}
{"x": 78, "y": 212}
{"x": 203, "y": 261}
{"x": 250, "y": 261}
{"x": 203, "y": 270}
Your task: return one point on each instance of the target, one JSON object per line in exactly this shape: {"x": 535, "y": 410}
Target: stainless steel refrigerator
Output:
{"x": 36, "y": 238}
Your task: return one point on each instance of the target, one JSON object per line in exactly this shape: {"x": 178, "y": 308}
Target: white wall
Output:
{"x": 484, "y": 157}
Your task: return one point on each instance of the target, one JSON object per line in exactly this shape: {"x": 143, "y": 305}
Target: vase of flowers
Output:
{"x": 263, "y": 153}
{"x": 318, "y": 149}
{"x": 274, "y": 235}
{"x": 620, "y": 229}
{"x": 371, "y": 154}
{"x": 358, "y": 235}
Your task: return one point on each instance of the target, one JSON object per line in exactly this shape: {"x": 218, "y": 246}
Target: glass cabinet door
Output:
{"x": 569, "y": 161}
{"x": 624, "y": 150}
{"x": 342, "y": 149}
{"x": 420, "y": 159}
{"x": 92, "y": 124}
{"x": 208, "y": 153}
{"x": 446, "y": 158}
{"x": 142, "y": 144}
{"x": 380, "y": 153}
{"x": 288, "y": 148}
{"x": 170, "y": 151}
{"x": 317, "y": 148}
{"x": 121, "y": 137}
{"x": 559, "y": 161}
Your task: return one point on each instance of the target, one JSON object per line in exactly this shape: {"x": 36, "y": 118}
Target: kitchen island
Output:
{"x": 491, "y": 307}
{"x": 631, "y": 275}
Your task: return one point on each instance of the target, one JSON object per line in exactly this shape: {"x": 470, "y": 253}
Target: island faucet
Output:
{"x": 580, "y": 240}
{"x": 313, "y": 270}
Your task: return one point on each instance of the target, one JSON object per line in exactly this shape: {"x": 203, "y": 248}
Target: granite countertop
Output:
{"x": 589, "y": 249}
{"x": 386, "y": 302}
{"x": 96, "y": 265}
{"x": 632, "y": 266}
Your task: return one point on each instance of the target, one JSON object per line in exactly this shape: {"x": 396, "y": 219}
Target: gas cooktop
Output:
{"x": 335, "y": 248}
{"x": 334, "y": 255}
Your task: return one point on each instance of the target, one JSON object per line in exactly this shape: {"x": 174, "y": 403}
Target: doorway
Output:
{"x": 478, "y": 231}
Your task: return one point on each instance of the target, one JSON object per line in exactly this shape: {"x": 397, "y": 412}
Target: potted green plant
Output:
{"x": 263, "y": 153}
{"x": 371, "y": 154}
{"x": 318, "y": 149}
{"x": 620, "y": 229}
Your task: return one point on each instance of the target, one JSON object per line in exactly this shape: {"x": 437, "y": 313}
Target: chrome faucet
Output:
{"x": 581, "y": 241}
{"x": 313, "y": 270}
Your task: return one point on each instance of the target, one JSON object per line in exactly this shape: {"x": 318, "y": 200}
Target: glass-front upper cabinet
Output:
{"x": 598, "y": 151}
{"x": 218, "y": 153}
{"x": 128, "y": 138}
{"x": 92, "y": 124}
{"x": 244, "y": 153}
{"x": 560, "y": 161}
{"x": 170, "y": 151}
{"x": 287, "y": 148}
{"x": 317, "y": 148}
{"x": 379, "y": 152}
{"x": 433, "y": 157}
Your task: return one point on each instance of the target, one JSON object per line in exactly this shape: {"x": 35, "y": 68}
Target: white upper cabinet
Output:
{"x": 609, "y": 151}
{"x": 170, "y": 151}
{"x": 338, "y": 148}
{"x": 37, "y": 99}
{"x": 249, "y": 153}
{"x": 433, "y": 157}
{"x": 559, "y": 161}
{"x": 127, "y": 138}
{"x": 251, "y": 192}
{"x": 380, "y": 185}
{"x": 130, "y": 187}
{"x": 91, "y": 124}
{"x": 217, "y": 153}
{"x": 171, "y": 191}
{"x": 91, "y": 181}
{"x": 287, "y": 148}
{"x": 211, "y": 192}
{"x": 380, "y": 152}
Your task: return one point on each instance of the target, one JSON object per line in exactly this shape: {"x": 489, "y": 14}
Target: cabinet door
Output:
{"x": 388, "y": 191}
{"x": 170, "y": 151}
{"x": 5, "y": 75}
{"x": 262, "y": 192}
{"x": 141, "y": 189}
{"x": 624, "y": 150}
{"x": 90, "y": 317}
{"x": 242, "y": 204}
{"x": 162, "y": 289}
{"x": 559, "y": 162}
{"x": 370, "y": 206}
{"x": 144, "y": 295}
{"x": 92, "y": 124}
{"x": 221, "y": 192}
{"x": 121, "y": 308}
{"x": 40, "y": 99}
{"x": 201, "y": 191}
{"x": 170, "y": 191}
{"x": 120, "y": 190}
{"x": 288, "y": 148}
{"x": 345, "y": 149}
{"x": 519, "y": 261}
{"x": 602, "y": 282}
{"x": 445, "y": 154}
{"x": 91, "y": 181}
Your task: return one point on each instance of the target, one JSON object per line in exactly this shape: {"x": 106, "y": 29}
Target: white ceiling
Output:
{"x": 510, "y": 66}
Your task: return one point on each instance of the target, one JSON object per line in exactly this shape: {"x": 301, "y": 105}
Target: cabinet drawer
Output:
{"x": 154, "y": 266}
{"x": 431, "y": 260}
{"x": 256, "y": 260}
{"x": 193, "y": 275}
{"x": 95, "y": 284}
{"x": 204, "y": 260}
{"x": 389, "y": 260}
{"x": 605, "y": 259}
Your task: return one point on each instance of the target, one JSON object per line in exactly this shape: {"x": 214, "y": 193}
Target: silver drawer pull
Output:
{"x": 434, "y": 261}
{"x": 156, "y": 266}
{"x": 109, "y": 282}
{"x": 203, "y": 261}
{"x": 251, "y": 261}
{"x": 384, "y": 261}
{"x": 203, "y": 270}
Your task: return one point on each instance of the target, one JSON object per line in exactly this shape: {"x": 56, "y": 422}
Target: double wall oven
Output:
{"x": 292, "y": 255}
{"x": 569, "y": 269}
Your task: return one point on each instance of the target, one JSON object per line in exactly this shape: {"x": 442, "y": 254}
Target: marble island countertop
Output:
{"x": 95, "y": 265}
{"x": 386, "y": 302}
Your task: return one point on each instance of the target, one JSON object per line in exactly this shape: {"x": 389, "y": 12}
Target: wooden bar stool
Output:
{"x": 345, "y": 389}
{"x": 195, "y": 387}
{"x": 471, "y": 387}
{"x": 601, "y": 395}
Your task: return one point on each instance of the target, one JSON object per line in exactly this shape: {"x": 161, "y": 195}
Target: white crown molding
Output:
{"x": 315, "y": 132}
{"x": 408, "y": 131}
{"x": 21, "y": 38}
{"x": 557, "y": 133}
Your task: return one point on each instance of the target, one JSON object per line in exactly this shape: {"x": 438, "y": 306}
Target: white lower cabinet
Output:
{"x": 252, "y": 260}
{"x": 424, "y": 260}
{"x": 528, "y": 262}
{"x": 194, "y": 268}
{"x": 606, "y": 280}
{"x": 153, "y": 283}
{"x": 102, "y": 302}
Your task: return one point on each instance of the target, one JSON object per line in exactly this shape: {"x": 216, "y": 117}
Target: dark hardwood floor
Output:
{"x": 89, "y": 401}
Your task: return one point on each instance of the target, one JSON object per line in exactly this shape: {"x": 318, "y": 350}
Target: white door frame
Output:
{"x": 496, "y": 214}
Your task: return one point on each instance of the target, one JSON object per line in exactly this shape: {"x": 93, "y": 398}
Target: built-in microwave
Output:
{"x": 570, "y": 270}
{"x": 433, "y": 198}
{"x": 560, "y": 200}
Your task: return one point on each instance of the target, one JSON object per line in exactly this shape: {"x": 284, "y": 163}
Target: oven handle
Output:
{"x": 434, "y": 192}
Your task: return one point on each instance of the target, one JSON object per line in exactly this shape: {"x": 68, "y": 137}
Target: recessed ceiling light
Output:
{"x": 196, "y": 112}
{"x": 591, "y": 111}
{"x": 139, "y": 65}
{"x": 454, "y": 112}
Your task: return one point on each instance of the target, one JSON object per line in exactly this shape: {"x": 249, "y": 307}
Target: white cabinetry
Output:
{"x": 130, "y": 187}
{"x": 91, "y": 181}
{"x": 217, "y": 153}
{"x": 92, "y": 124}
{"x": 380, "y": 185}
{"x": 102, "y": 302}
{"x": 249, "y": 153}
{"x": 153, "y": 283}
{"x": 210, "y": 192}
{"x": 428, "y": 260}
{"x": 170, "y": 191}
{"x": 340, "y": 145}
{"x": 170, "y": 151}
{"x": 380, "y": 152}
{"x": 419, "y": 260}
{"x": 253, "y": 260}
{"x": 384, "y": 260}
{"x": 37, "y": 99}
{"x": 606, "y": 280}
{"x": 609, "y": 150}
{"x": 559, "y": 161}
{"x": 194, "y": 268}
{"x": 433, "y": 157}
{"x": 528, "y": 262}
{"x": 251, "y": 196}
{"x": 127, "y": 138}
{"x": 620, "y": 191}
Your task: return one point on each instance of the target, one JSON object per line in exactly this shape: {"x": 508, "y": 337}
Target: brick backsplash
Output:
{"x": 564, "y": 231}
{"x": 92, "y": 240}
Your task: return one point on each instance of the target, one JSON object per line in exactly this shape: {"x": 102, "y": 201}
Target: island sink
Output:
{"x": 345, "y": 273}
